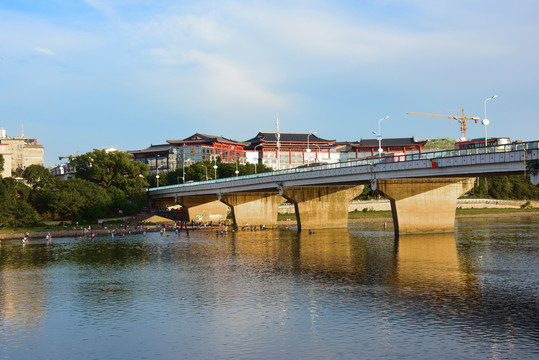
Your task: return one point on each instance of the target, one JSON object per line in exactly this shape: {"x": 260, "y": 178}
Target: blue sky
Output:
{"x": 84, "y": 74}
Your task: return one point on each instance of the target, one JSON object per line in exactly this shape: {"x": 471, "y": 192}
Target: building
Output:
{"x": 160, "y": 158}
{"x": 195, "y": 148}
{"x": 290, "y": 150}
{"x": 369, "y": 147}
{"x": 204, "y": 147}
{"x": 24, "y": 152}
{"x": 4, "y": 151}
{"x": 63, "y": 171}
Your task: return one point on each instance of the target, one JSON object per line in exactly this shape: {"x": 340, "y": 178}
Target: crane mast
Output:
{"x": 461, "y": 119}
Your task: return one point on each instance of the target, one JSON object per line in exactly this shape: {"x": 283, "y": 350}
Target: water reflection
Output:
{"x": 247, "y": 293}
{"x": 430, "y": 263}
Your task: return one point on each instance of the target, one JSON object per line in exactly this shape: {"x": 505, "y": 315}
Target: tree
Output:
{"x": 15, "y": 210}
{"x": 72, "y": 198}
{"x": 1, "y": 164}
{"x": 114, "y": 168}
{"x": 515, "y": 187}
{"x": 39, "y": 176}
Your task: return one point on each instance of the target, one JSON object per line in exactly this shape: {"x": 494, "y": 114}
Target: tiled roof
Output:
{"x": 153, "y": 148}
{"x": 286, "y": 137}
{"x": 203, "y": 138}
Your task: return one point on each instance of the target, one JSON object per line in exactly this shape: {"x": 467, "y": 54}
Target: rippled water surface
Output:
{"x": 277, "y": 294}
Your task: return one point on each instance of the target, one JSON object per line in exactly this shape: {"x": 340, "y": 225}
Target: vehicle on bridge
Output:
{"x": 480, "y": 142}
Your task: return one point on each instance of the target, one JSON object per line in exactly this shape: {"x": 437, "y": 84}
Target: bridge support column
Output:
{"x": 424, "y": 205}
{"x": 253, "y": 208}
{"x": 321, "y": 206}
{"x": 204, "y": 207}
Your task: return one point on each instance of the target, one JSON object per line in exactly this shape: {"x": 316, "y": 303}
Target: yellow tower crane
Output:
{"x": 461, "y": 119}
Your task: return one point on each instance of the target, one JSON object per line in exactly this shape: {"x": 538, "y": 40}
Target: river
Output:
{"x": 355, "y": 293}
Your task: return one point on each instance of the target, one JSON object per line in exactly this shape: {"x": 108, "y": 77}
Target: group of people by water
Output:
{"x": 178, "y": 227}
{"x": 26, "y": 238}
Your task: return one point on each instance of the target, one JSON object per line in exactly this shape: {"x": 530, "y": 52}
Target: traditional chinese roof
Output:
{"x": 199, "y": 138}
{"x": 153, "y": 149}
{"x": 287, "y": 139}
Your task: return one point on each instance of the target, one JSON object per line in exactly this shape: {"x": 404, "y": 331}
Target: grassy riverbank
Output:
{"x": 365, "y": 215}
{"x": 361, "y": 216}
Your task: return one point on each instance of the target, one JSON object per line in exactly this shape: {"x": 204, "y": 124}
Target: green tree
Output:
{"x": 114, "y": 168}
{"x": 15, "y": 210}
{"x": 1, "y": 164}
{"x": 39, "y": 176}
{"x": 511, "y": 187}
{"x": 72, "y": 198}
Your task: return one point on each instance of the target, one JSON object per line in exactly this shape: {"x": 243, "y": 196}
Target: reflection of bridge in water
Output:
{"x": 423, "y": 189}
{"x": 424, "y": 275}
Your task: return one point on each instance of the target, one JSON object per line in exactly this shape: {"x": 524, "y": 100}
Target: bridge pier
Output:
{"x": 253, "y": 208}
{"x": 320, "y": 207}
{"x": 204, "y": 207}
{"x": 424, "y": 205}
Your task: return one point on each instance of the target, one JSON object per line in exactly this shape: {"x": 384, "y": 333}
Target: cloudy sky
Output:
{"x": 84, "y": 74}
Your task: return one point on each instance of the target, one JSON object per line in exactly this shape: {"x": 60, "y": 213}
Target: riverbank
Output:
{"x": 385, "y": 216}
{"x": 284, "y": 219}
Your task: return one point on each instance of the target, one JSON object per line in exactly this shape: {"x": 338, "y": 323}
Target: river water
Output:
{"x": 276, "y": 294}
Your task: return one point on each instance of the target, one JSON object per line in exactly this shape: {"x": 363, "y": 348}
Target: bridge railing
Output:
{"x": 430, "y": 155}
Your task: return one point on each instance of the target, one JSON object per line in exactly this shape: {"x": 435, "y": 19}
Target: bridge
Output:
{"x": 422, "y": 188}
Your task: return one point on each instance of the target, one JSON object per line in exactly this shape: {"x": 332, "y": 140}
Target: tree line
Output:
{"x": 105, "y": 183}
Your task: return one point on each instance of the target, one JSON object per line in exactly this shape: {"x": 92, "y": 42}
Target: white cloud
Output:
{"x": 221, "y": 81}
{"x": 102, "y": 6}
{"x": 44, "y": 51}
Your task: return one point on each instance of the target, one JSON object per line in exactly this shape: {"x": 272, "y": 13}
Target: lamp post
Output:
{"x": 485, "y": 120}
{"x": 215, "y": 170}
{"x": 183, "y": 169}
{"x": 256, "y": 162}
{"x": 379, "y": 136}
{"x": 308, "y": 148}
{"x": 237, "y": 172}
{"x": 157, "y": 179}
{"x": 205, "y": 168}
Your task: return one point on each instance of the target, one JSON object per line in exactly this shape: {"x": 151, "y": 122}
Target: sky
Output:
{"x": 85, "y": 74}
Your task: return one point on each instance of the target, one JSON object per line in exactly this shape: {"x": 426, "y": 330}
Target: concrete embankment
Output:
{"x": 383, "y": 205}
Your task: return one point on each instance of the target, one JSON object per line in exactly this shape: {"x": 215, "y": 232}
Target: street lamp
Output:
{"x": 215, "y": 170}
{"x": 205, "y": 168}
{"x": 256, "y": 162}
{"x": 157, "y": 179}
{"x": 485, "y": 120}
{"x": 379, "y": 136}
{"x": 237, "y": 172}
{"x": 183, "y": 168}
{"x": 308, "y": 151}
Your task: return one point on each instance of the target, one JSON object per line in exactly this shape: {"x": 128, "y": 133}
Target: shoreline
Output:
{"x": 118, "y": 232}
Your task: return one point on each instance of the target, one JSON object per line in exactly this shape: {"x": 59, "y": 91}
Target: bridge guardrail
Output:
{"x": 353, "y": 163}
